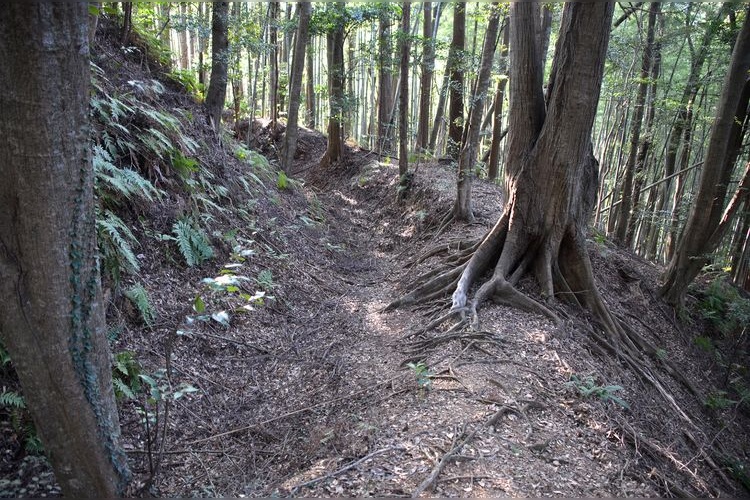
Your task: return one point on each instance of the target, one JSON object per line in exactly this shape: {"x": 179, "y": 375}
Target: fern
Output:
{"x": 116, "y": 245}
{"x": 139, "y": 297}
{"x": 122, "y": 389}
{"x": 12, "y": 400}
{"x": 193, "y": 243}
{"x": 126, "y": 375}
{"x": 121, "y": 182}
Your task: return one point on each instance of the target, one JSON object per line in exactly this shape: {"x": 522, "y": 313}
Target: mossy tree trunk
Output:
{"x": 52, "y": 318}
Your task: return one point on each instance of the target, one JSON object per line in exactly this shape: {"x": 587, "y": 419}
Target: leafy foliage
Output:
{"x": 192, "y": 241}
{"x": 723, "y": 305}
{"x": 113, "y": 184}
{"x": 21, "y": 421}
{"x": 139, "y": 297}
{"x": 116, "y": 242}
{"x": 422, "y": 374}
{"x": 587, "y": 387}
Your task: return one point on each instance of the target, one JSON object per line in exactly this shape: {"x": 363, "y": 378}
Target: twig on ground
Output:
{"x": 345, "y": 468}
{"x": 432, "y": 479}
{"x": 295, "y": 412}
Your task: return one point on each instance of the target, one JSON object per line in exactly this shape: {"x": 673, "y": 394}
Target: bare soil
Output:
{"x": 310, "y": 393}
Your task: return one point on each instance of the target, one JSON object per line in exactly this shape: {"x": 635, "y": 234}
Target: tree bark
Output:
{"x": 335, "y": 43}
{"x": 694, "y": 245}
{"x": 456, "y": 86}
{"x": 403, "y": 111}
{"x": 184, "y": 47}
{"x": 468, "y": 156}
{"x": 385, "y": 84}
{"x": 497, "y": 120}
{"x": 425, "y": 86}
{"x": 273, "y": 54}
{"x": 310, "y": 87}
{"x": 52, "y": 319}
{"x": 289, "y": 147}
{"x": 217, "y": 87}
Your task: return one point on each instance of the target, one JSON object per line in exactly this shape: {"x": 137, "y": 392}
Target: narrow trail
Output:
{"x": 490, "y": 416}
{"x": 311, "y": 394}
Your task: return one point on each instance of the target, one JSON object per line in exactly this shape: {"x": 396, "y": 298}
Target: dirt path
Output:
{"x": 310, "y": 395}
{"x": 493, "y": 411}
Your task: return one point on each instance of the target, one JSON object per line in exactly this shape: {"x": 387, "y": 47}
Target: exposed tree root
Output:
{"x": 563, "y": 270}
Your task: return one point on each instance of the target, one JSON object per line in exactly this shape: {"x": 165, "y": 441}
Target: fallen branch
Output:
{"x": 432, "y": 479}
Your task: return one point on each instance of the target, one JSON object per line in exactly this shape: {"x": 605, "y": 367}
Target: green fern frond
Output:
{"x": 122, "y": 389}
{"x": 12, "y": 400}
{"x": 116, "y": 245}
{"x": 192, "y": 242}
{"x": 139, "y": 297}
{"x": 122, "y": 182}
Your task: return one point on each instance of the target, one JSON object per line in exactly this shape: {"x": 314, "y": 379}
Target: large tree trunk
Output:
{"x": 385, "y": 84}
{"x": 289, "y": 147}
{"x": 52, "y": 319}
{"x": 425, "y": 86}
{"x": 403, "y": 103}
{"x": 217, "y": 87}
{"x": 456, "y": 86}
{"x": 335, "y": 42}
{"x": 468, "y": 156}
{"x": 696, "y": 242}
{"x": 551, "y": 175}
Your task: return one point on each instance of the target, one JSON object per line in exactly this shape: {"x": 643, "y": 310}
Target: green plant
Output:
{"x": 704, "y": 343}
{"x": 192, "y": 242}
{"x": 587, "y": 387}
{"x": 185, "y": 166}
{"x": 265, "y": 280}
{"x": 187, "y": 79}
{"x": 739, "y": 470}
{"x": 116, "y": 242}
{"x": 127, "y": 376}
{"x": 15, "y": 404}
{"x": 725, "y": 308}
{"x": 421, "y": 374}
{"x": 140, "y": 299}
{"x": 113, "y": 184}
{"x": 282, "y": 182}
{"x": 718, "y": 400}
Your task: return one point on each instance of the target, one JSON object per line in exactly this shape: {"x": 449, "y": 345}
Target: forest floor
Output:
{"x": 310, "y": 393}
